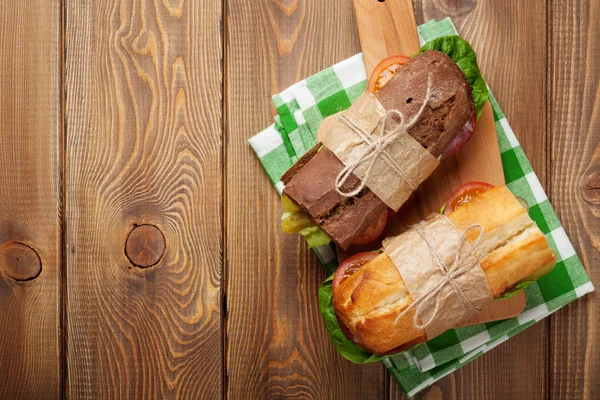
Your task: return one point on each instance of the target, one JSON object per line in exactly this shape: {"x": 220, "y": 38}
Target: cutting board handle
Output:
{"x": 385, "y": 29}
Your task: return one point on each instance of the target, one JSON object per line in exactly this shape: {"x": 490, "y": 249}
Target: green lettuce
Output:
{"x": 315, "y": 236}
{"x": 515, "y": 290}
{"x": 345, "y": 347}
{"x": 464, "y": 56}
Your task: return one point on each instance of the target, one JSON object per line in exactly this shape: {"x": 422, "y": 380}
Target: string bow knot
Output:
{"x": 463, "y": 262}
{"x": 376, "y": 145}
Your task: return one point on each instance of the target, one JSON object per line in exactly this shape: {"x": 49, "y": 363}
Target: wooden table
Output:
{"x": 140, "y": 241}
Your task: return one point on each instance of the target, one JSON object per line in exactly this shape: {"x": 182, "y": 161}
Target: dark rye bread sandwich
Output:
{"x": 310, "y": 183}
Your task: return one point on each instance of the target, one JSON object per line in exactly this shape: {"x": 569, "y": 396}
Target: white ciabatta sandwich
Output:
{"x": 370, "y": 300}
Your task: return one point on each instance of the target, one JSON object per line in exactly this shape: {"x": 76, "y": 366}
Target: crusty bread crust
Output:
{"x": 449, "y": 108}
{"x": 312, "y": 188}
{"x": 369, "y": 301}
{"x": 302, "y": 161}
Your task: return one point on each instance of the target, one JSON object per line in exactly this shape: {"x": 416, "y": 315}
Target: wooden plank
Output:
{"x": 278, "y": 346}
{"x": 144, "y": 167}
{"x": 514, "y": 68}
{"x": 30, "y": 210}
{"x": 574, "y": 118}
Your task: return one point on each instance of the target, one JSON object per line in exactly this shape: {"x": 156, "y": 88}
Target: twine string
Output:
{"x": 376, "y": 146}
{"x": 463, "y": 262}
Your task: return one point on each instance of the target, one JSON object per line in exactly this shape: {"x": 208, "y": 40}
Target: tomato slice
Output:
{"x": 464, "y": 194}
{"x": 461, "y": 139}
{"x": 384, "y": 71}
{"x": 350, "y": 266}
{"x": 373, "y": 231}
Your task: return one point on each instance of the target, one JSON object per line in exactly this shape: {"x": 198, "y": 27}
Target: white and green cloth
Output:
{"x": 303, "y": 106}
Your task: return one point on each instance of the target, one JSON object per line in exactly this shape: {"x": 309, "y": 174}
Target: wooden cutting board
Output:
{"x": 388, "y": 28}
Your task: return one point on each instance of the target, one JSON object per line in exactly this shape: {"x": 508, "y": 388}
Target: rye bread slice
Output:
{"x": 312, "y": 188}
{"x": 449, "y": 108}
{"x": 290, "y": 173}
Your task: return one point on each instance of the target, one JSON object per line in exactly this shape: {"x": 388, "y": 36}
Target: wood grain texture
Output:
{"x": 277, "y": 344}
{"x": 574, "y": 119}
{"x": 144, "y": 147}
{"x": 30, "y": 218}
{"x": 515, "y": 69}
{"x": 385, "y": 29}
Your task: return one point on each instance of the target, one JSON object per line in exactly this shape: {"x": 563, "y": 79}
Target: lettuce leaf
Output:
{"x": 464, "y": 56}
{"x": 344, "y": 346}
{"x": 315, "y": 236}
{"x": 515, "y": 290}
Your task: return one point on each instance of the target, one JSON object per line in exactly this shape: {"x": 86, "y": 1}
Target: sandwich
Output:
{"x": 367, "y": 306}
{"x": 441, "y": 88}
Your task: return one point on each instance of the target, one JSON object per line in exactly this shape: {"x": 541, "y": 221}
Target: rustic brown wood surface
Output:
{"x": 30, "y": 208}
{"x": 574, "y": 172}
{"x": 140, "y": 248}
{"x": 143, "y": 199}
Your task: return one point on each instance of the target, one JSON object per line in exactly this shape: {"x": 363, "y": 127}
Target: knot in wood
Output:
{"x": 591, "y": 188}
{"x": 145, "y": 246}
{"x": 455, "y": 7}
{"x": 19, "y": 262}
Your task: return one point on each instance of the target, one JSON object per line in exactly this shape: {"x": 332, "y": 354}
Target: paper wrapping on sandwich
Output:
{"x": 435, "y": 250}
{"x": 393, "y": 185}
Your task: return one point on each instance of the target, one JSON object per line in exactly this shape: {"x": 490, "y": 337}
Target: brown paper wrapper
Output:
{"x": 417, "y": 266}
{"x": 415, "y": 162}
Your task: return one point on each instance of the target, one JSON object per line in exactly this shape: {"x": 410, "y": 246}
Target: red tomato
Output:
{"x": 464, "y": 194}
{"x": 384, "y": 71}
{"x": 461, "y": 139}
{"x": 350, "y": 266}
{"x": 373, "y": 231}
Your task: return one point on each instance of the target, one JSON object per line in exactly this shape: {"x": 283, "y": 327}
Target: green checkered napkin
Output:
{"x": 303, "y": 106}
